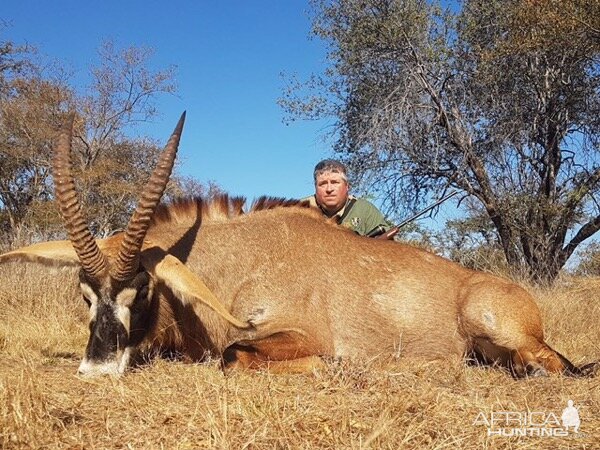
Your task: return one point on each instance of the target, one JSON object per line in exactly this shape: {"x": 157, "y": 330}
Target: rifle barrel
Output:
{"x": 429, "y": 208}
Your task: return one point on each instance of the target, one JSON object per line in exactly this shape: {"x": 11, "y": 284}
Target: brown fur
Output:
{"x": 292, "y": 286}
{"x": 311, "y": 288}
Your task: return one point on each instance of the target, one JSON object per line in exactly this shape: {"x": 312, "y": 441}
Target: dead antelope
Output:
{"x": 278, "y": 287}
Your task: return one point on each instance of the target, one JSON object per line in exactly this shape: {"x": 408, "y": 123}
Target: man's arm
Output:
{"x": 370, "y": 221}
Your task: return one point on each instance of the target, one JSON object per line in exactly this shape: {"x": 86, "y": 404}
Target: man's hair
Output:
{"x": 330, "y": 165}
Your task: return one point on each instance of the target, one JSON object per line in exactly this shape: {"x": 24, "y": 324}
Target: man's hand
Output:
{"x": 388, "y": 235}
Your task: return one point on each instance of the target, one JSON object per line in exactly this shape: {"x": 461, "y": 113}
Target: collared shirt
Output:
{"x": 358, "y": 214}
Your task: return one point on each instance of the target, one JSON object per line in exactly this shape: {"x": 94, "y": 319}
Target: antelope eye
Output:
{"x": 85, "y": 299}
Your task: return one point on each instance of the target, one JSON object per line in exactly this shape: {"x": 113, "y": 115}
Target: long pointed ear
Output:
{"x": 52, "y": 253}
{"x": 185, "y": 283}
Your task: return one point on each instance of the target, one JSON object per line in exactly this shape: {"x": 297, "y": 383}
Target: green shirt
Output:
{"x": 361, "y": 217}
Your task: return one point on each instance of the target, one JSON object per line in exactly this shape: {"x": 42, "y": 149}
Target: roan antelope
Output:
{"x": 277, "y": 287}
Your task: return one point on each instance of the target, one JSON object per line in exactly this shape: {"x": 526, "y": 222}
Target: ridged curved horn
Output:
{"x": 127, "y": 262}
{"x": 92, "y": 260}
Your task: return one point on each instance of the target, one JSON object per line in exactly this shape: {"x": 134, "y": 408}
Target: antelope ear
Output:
{"x": 52, "y": 253}
{"x": 185, "y": 283}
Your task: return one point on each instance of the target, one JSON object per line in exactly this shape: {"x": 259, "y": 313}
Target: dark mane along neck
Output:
{"x": 220, "y": 207}
{"x": 266, "y": 202}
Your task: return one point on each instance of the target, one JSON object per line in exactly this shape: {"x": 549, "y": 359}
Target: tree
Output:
{"x": 30, "y": 107}
{"x": 122, "y": 95}
{"x": 589, "y": 260}
{"x": 14, "y": 59}
{"x": 500, "y": 100}
{"x": 472, "y": 242}
{"x": 29, "y": 116}
{"x": 110, "y": 166}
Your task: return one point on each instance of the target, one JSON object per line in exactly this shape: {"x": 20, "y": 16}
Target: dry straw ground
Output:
{"x": 372, "y": 404}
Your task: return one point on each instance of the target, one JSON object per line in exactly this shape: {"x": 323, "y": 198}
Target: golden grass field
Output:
{"x": 371, "y": 404}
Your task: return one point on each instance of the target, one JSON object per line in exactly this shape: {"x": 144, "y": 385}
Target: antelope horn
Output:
{"x": 92, "y": 260}
{"x": 128, "y": 259}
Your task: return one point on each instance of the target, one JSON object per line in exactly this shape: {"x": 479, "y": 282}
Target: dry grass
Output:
{"x": 377, "y": 404}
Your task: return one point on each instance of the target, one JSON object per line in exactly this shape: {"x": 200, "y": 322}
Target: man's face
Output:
{"x": 331, "y": 190}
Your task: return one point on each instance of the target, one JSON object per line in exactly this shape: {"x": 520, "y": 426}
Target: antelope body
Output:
{"x": 280, "y": 287}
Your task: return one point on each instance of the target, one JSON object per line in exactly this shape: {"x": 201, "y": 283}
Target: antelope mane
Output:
{"x": 219, "y": 208}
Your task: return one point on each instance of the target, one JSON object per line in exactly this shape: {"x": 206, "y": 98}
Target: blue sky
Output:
{"x": 229, "y": 58}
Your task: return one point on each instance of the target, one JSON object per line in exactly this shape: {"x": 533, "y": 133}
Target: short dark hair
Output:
{"x": 330, "y": 165}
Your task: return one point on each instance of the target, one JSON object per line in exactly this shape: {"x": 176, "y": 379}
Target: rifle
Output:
{"x": 379, "y": 231}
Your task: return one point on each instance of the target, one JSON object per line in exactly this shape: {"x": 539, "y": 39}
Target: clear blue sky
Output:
{"x": 229, "y": 57}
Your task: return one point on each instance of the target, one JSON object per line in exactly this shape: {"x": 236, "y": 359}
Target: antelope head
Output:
{"x": 118, "y": 289}
{"x": 118, "y": 292}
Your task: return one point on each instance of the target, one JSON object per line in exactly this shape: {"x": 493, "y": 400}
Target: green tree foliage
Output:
{"x": 472, "y": 241}
{"x": 589, "y": 261}
{"x": 500, "y": 100}
{"x": 31, "y": 108}
{"x": 110, "y": 167}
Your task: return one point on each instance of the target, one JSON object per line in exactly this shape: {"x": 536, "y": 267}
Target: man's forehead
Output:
{"x": 330, "y": 175}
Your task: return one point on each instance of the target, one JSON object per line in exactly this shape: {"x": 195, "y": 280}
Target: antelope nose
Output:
{"x": 85, "y": 368}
